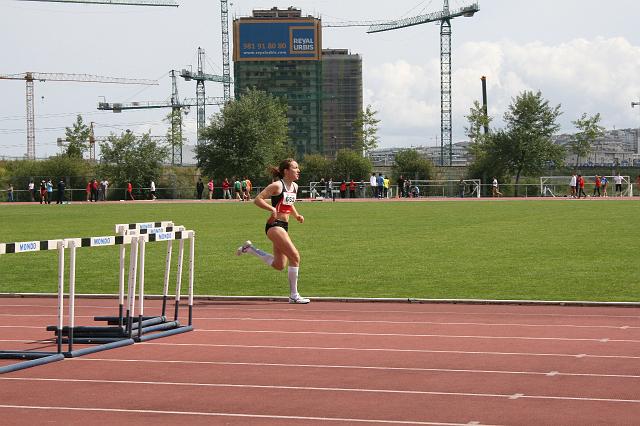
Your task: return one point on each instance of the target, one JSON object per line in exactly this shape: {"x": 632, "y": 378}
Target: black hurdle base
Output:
{"x": 31, "y": 363}
{"x": 99, "y": 348}
{"x": 116, "y": 320}
{"x": 147, "y": 337}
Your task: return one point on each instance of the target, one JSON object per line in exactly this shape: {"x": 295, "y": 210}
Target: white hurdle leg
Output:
{"x": 167, "y": 271}
{"x": 179, "y": 279}
{"x": 192, "y": 255}
{"x": 72, "y": 293}
{"x": 60, "y": 292}
{"x": 142, "y": 242}
{"x": 121, "y": 286}
{"x": 131, "y": 291}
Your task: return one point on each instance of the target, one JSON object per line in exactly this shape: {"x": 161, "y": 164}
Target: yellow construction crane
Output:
{"x": 30, "y": 77}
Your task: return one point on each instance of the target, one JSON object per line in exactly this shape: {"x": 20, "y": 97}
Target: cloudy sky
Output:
{"x": 584, "y": 55}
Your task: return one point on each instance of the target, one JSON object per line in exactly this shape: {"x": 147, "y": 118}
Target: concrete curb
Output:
{"x": 354, "y": 300}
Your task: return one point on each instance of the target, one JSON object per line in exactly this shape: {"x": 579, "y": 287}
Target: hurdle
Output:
{"x": 150, "y": 232}
{"x": 146, "y": 328}
{"x": 34, "y": 358}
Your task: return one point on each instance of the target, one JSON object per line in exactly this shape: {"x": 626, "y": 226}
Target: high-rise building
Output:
{"x": 342, "y": 99}
{"x": 279, "y": 51}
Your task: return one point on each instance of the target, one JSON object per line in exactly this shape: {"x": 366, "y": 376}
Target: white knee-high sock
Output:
{"x": 293, "y": 280}
{"x": 262, "y": 255}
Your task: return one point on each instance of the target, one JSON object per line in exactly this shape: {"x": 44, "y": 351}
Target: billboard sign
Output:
{"x": 277, "y": 39}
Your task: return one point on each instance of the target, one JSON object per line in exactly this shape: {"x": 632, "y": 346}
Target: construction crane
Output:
{"x": 444, "y": 17}
{"x": 176, "y": 112}
{"x": 200, "y": 77}
{"x": 170, "y": 3}
{"x": 226, "y": 64}
{"x": 30, "y": 77}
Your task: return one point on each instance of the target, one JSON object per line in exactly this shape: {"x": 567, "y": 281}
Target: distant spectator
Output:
{"x": 374, "y": 185}
{"x": 199, "y": 189}
{"x": 596, "y": 186}
{"x": 226, "y": 191}
{"x": 581, "y": 187}
{"x": 10, "y": 193}
{"x": 61, "y": 187}
{"x": 32, "y": 190}
{"x": 400, "y": 187}
{"x": 617, "y": 179}
{"x": 573, "y": 183}
{"x": 130, "y": 191}
{"x": 237, "y": 188}
{"x": 152, "y": 188}
{"x": 461, "y": 188}
{"x": 495, "y": 189}
{"x": 386, "y": 182}
{"x": 88, "y": 191}
{"x": 330, "y": 188}
{"x": 43, "y": 192}
{"x": 603, "y": 184}
{"x": 210, "y": 187}
{"x": 343, "y": 189}
{"x": 94, "y": 190}
{"x": 352, "y": 189}
{"x": 323, "y": 190}
{"x": 49, "y": 191}
{"x": 249, "y": 187}
{"x": 380, "y": 185}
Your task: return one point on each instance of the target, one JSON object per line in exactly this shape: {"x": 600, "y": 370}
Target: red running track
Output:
{"x": 271, "y": 363}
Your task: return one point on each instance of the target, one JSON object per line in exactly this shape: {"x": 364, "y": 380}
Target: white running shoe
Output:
{"x": 299, "y": 299}
{"x": 243, "y": 248}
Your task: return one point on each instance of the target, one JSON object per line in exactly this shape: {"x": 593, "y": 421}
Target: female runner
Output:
{"x": 283, "y": 196}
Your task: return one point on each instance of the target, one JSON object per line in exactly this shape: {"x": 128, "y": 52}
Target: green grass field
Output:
{"x": 542, "y": 250}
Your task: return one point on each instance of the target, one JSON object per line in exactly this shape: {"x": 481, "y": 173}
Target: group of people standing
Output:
{"x": 241, "y": 189}
{"x": 97, "y": 191}
{"x": 44, "y": 194}
{"x": 600, "y": 185}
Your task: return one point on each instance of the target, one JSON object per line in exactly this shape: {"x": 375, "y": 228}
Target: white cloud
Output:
{"x": 583, "y": 75}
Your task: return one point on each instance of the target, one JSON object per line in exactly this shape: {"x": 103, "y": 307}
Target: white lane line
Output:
{"x": 426, "y": 351}
{"x": 319, "y": 348}
{"x": 428, "y": 323}
{"x": 410, "y": 312}
{"x": 359, "y": 367}
{"x": 339, "y": 321}
{"x": 241, "y": 415}
{"x": 316, "y": 389}
{"x": 451, "y": 336}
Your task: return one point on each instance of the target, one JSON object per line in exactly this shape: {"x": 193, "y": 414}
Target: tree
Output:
{"x": 248, "y": 135}
{"x": 525, "y": 146}
{"x": 366, "y": 130}
{"x": 77, "y": 137}
{"x": 410, "y": 164}
{"x": 129, "y": 158}
{"x": 350, "y": 164}
{"x": 314, "y": 167}
{"x": 477, "y": 120}
{"x": 589, "y": 131}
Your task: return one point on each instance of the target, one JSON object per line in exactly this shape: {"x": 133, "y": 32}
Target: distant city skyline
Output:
{"x": 580, "y": 54}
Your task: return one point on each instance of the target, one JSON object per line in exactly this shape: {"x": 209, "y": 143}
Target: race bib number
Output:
{"x": 288, "y": 198}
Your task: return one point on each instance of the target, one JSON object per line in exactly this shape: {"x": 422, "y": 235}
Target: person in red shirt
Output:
{"x": 581, "y": 186}
{"x": 130, "y": 191}
{"x": 88, "y": 191}
{"x": 352, "y": 189}
{"x": 226, "y": 191}
{"x": 343, "y": 189}
{"x": 596, "y": 187}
